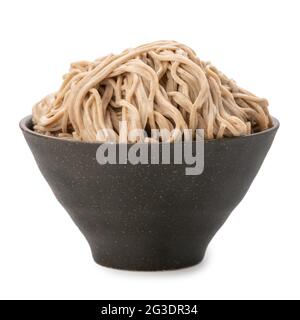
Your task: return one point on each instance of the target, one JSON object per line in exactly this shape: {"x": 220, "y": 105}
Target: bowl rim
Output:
{"x": 23, "y": 124}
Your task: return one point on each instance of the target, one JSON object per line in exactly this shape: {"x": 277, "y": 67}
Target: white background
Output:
{"x": 256, "y": 254}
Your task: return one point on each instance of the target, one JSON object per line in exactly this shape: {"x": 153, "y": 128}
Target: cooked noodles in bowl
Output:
{"x": 161, "y": 85}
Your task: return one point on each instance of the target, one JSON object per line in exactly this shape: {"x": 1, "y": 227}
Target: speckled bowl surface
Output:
{"x": 148, "y": 217}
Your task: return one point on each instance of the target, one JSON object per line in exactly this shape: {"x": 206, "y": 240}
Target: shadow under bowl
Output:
{"x": 148, "y": 217}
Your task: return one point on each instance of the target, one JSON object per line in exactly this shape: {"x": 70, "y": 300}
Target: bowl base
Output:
{"x": 149, "y": 266}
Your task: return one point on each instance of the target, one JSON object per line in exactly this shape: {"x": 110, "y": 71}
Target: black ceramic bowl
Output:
{"x": 148, "y": 217}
